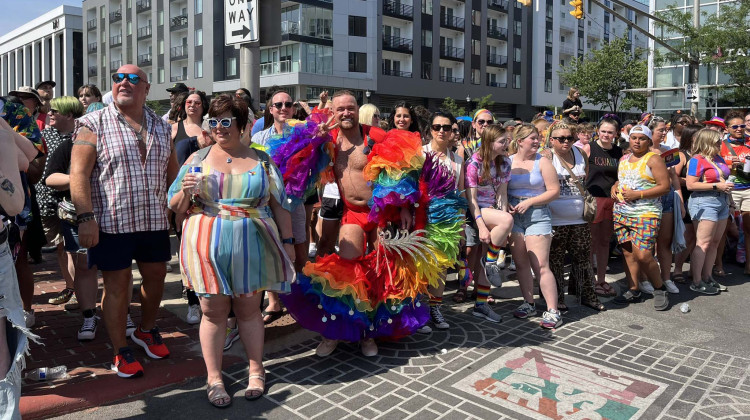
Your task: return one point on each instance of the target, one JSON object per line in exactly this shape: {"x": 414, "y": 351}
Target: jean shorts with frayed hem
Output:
{"x": 708, "y": 205}
{"x": 537, "y": 220}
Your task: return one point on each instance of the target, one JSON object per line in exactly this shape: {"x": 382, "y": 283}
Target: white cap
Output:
{"x": 641, "y": 129}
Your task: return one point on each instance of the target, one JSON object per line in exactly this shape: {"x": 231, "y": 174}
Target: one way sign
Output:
{"x": 240, "y": 21}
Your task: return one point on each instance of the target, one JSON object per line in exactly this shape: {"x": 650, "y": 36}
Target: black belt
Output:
{"x": 3, "y": 236}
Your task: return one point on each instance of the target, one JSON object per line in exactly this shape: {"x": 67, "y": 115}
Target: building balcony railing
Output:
{"x": 451, "y": 22}
{"x": 115, "y": 41}
{"x": 497, "y": 84}
{"x": 567, "y": 25}
{"x": 90, "y": 25}
{"x": 144, "y": 32}
{"x": 92, "y": 47}
{"x": 114, "y": 65}
{"x": 497, "y": 32}
{"x": 398, "y": 10}
{"x": 144, "y": 60}
{"x": 180, "y": 78}
{"x": 291, "y": 27}
{"x": 565, "y": 49}
{"x": 594, "y": 33}
{"x": 92, "y": 71}
{"x": 143, "y": 6}
{"x": 283, "y": 66}
{"x": 397, "y": 73}
{"x": 179, "y": 52}
{"x": 451, "y": 53}
{"x": 497, "y": 60}
{"x": 115, "y": 16}
{"x": 451, "y": 79}
{"x": 398, "y": 44}
{"x": 499, "y": 5}
{"x": 178, "y": 22}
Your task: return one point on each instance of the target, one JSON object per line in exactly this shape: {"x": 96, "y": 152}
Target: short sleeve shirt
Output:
{"x": 700, "y": 167}
{"x": 486, "y": 187}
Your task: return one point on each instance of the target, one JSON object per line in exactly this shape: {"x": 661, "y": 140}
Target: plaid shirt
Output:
{"x": 128, "y": 196}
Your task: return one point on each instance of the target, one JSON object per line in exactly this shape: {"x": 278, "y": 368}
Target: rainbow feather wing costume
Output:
{"x": 380, "y": 294}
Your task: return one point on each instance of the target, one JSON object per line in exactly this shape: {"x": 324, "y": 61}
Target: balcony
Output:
{"x": 144, "y": 32}
{"x": 396, "y": 9}
{"x": 567, "y": 25}
{"x": 143, "y": 6}
{"x": 92, "y": 47}
{"x": 396, "y": 73}
{"x": 289, "y": 27}
{"x": 114, "y": 65}
{"x": 115, "y": 41}
{"x": 115, "y": 16}
{"x": 180, "y": 78}
{"x": 178, "y": 22}
{"x": 497, "y": 84}
{"x": 451, "y": 53}
{"x": 178, "y": 53}
{"x": 397, "y": 44}
{"x": 91, "y": 25}
{"x": 497, "y": 60}
{"x": 594, "y": 33}
{"x": 499, "y": 5}
{"x": 92, "y": 71}
{"x": 284, "y": 66}
{"x": 450, "y": 79}
{"x": 144, "y": 60}
{"x": 497, "y": 32}
{"x": 451, "y": 22}
{"x": 566, "y": 50}
{"x": 292, "y": 30}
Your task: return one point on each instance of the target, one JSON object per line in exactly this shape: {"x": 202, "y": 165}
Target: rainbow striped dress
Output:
{"x": 230, "y": 242}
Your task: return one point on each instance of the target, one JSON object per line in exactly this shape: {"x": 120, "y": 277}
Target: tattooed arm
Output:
{"x": 11, "y": 194}
{"x": 82, "y": 162}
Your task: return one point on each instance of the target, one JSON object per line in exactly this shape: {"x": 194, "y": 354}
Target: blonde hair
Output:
{"x": 366, "y": 112}
{"x": 571, "y": 91}
{"x": 557, "y": 125}
{"x": 706, "y": 143}
{"x": 519, "y": 133}
{"x": 491, "y": 133}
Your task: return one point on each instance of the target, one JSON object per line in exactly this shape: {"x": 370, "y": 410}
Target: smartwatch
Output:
{"x": 289, "y": 241}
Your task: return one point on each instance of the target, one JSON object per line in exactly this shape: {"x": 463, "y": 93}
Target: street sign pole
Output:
{"x": 250, "y": 68}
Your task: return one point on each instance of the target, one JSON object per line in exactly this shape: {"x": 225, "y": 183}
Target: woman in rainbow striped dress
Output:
{"x": 232, "y": 246}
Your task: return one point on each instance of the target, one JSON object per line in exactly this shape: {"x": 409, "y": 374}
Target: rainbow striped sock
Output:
{"x": 482, "y": 293}
{"x": 435, "y": 300}
{"x": 492, "y": 252}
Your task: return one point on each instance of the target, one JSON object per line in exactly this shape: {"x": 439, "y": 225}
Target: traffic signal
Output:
{"x": 577, "y": 11}
{"x": 525, "y": 2}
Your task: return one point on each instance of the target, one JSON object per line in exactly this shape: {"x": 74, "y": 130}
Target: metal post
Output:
{"x": 250, "y": 68}
{"x": 694, "y": 59}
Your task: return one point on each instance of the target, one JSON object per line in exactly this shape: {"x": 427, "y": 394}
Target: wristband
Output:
{"x": 85, "y": 217}
{"x": 641, "y": 194}
{"x": 478, "y": 217}
{"x": 289, "y": 241}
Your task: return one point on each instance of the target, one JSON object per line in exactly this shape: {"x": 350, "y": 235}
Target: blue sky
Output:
{"x": 16, "y": 13}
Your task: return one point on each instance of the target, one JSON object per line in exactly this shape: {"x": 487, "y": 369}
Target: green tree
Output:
{"x": 482, "y": 103}
{"x": 603, "y": 74}
{"x": 721, "y": 40}
{"x": 450, "y": 105}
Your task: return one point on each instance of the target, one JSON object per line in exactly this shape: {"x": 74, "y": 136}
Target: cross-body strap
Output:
{"x": 570, "y": 171}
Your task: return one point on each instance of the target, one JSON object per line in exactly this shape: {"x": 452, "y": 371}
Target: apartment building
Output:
{"x": 562, "y": 38}
{"x": 46, "y": 48}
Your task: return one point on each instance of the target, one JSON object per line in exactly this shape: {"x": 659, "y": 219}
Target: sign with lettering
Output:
{"x": 240, "y": 21}
{"x": 691, "y": 93}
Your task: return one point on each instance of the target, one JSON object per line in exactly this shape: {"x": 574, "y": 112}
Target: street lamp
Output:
{"x": 367, "y": 95}
{"x": 468, "y": 104}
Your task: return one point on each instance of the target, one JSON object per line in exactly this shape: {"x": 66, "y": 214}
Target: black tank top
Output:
{"x": 181, "y": 133}
{"x": 602, "y": 169}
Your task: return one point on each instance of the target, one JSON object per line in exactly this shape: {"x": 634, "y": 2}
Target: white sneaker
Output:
{"x": 424, "y": 329}
{"x": 193, "y": 315}
{"x": 646, "y": 287}
{"x": 671, "y": 287}
{"x": 312, "y": 250}
{"x": 169, "y": 267}
{"x": 484, "y": 311}
{"x": 512, "y": 266}
{"x": 88, "y": 329}
{"x": 29, "y": 318}
{"x": 129, "y": 327}
{"x": 501, "y": 259}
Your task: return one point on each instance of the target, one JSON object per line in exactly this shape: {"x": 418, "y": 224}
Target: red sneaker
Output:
{"x": 125, "y": 364}
{"x": 151, "y": 342}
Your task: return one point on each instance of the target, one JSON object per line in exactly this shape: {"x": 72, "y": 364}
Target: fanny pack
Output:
{"x": 66, "y": 211}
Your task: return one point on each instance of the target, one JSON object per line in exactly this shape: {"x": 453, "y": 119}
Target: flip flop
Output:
{"x": 274, "y": 315}
{"x": 719, "y": 273}
{"x": 679, "y": 278}
{"x": 604, "y": 289}
{"x": 597, "y": 306}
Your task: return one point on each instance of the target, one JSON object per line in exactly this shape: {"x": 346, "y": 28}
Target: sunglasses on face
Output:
{"x": 736, "y": 126}
{"x": 376, "y": 116}
{"x": 445, "y": 127}
{"x": 279, "y": 105}
{"x": 225, "y": 122}
{"x": 54, "y": 111}
{"x": 131, "y": 77}
{"x": 563, "y": 139}
{"x": 483, "y": 122}
{"x": 455, "y": 131}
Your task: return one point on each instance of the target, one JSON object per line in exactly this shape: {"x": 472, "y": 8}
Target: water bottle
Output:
{"x": 746, "y": 167}
{"x": 48, "y": 374}
{"x": 194, "y": 167}
{"x": 685, "y": 308}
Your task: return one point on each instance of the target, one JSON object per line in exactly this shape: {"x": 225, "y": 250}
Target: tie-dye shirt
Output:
{"x": 486, "y": 196}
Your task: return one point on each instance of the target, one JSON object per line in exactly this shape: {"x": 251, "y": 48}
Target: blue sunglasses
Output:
{"x": 132, "y": 78}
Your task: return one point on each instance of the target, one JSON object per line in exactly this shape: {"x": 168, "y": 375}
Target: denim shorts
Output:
{"x": 667, "y": 202}
{"x": 70, "y": 238}
{"x": 537, "y": 220}
{"x": 708, "y": 205}
{"x": 471, "y": 232}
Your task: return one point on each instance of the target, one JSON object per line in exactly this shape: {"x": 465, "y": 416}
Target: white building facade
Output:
{"x": 46, "y": 48}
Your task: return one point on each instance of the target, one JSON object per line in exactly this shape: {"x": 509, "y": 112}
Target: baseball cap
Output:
{"x": 640, "y": 129}
{"x": 719, "y": 122}
{"x": 178, "y": 87}
{"x": 510, "y": 123}
{"x": 45, "y": 82}
{"x": 26, "y": 90}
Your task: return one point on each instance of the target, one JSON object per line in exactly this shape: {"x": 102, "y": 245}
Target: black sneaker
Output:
{"x": 630, "y": 296}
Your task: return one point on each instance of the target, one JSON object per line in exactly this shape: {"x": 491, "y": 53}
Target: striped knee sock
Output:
{"x": 435, "y": 300}
{"x": 492, "y": 252}
{"x": 482, "y": 293}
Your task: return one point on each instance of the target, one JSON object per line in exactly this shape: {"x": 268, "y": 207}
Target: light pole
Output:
{"x": 468, "y": 104}
{"x": 367, "y": 96}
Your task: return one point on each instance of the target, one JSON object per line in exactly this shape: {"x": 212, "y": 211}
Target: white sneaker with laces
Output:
{"x": 312, "y": 250}
{"x": 646, "y": 287}
{"x": 193, "y": 315}
{"x": 88, "y": 329}
{"x": 671, "y": 287}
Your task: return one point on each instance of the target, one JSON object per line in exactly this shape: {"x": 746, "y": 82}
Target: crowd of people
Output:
{"x": 311, "y": 207}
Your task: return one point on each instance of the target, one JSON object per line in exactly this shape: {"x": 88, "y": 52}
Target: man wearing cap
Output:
{"x": 46, "y": 93}
{"x": 174, "y": 91}
{"x": 510, "y": 125}
{"x": 716, "y": 124}
{"x": 121, "y": 165}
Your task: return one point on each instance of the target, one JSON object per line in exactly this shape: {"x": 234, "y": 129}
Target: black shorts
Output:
{"x": 331, "y": 209}
{"x": 116, "y": 251}
{"x": 312, "y": 200}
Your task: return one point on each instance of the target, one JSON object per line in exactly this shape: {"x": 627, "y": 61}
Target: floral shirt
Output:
{"x": 45, "y": 195}
{"x": 486, "y": 188}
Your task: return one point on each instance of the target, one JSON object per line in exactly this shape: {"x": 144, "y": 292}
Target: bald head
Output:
{"x": 127, "y": 93}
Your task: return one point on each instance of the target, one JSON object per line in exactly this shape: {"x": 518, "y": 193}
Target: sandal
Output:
{"x": 217, "y": 395}
{"x": 597, "y": 306}
{"x": 273, "y": 316}
{"x": 254, "y": 393}
{"x": 604, "y": 289}
{"x": 562, "y": 308}
{"x": 720, "y": 272}
{"x": 679, "y": 278}
{"x": 460, "y": 296}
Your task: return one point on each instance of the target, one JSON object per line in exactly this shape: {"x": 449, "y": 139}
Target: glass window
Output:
{"x": 666, "y": 77}
{"x": 517, "y": 55}
{"x": 161, "y": 75}
{"x": 663, "y": 4}
{"x": 427, "y": 7}
{"x": 198, "y": 6}
{"x": 426, "y": 38}
{"x": 161, "y": 46}
{"x": 199, "y": 69}
{"x": 548, "y": 36}
{"x": 357, "y": 62}
{"x": 516, "y": 81}
{"x": 517, "y": 27}
{"x": 357, "y": 26}
{"x": 198, "y": 37}
{"x": 231, "y": 66}
{"x": 103, "y": 12}
{"x": 129, "y": 28}
{"x": 160, "y": 17}
{"x": 427, "y": 70}
{"x": 548, "y": 85}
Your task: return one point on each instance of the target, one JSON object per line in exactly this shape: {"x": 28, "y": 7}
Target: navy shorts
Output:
{"x": 70, "y": 238}
{"x": 116, "y": 251}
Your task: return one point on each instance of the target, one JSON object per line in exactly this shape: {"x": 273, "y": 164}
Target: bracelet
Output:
{"x": 289, "y": 241}
{"x": 85, "y": 217}
{"x": 478, "y": 217}
{"x": 641, "y": 194}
